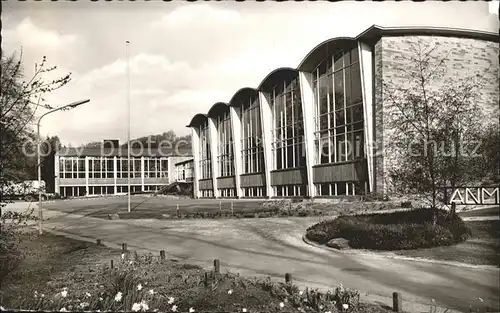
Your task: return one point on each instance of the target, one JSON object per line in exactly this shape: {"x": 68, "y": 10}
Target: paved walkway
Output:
{"x": 272, "y": 247}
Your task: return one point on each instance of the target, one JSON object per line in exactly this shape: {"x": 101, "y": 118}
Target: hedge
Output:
{"x": 410, "y": 229}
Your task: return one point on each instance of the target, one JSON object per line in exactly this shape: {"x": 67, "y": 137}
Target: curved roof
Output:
{"x": 322, "y": 51}
{"x": 217, "y": 109}
{"x": 279, "y": 74}
{"x": 242, "y": 94}
{"x": 197, "y": 120}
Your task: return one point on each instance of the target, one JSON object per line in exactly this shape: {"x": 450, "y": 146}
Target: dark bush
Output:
{"x": 406, "y": 204}
{"x": 393, "y": 231}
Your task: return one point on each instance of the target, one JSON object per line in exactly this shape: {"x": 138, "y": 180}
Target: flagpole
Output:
{"x": 128, "y": 126}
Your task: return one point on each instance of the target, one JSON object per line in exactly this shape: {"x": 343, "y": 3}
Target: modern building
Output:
{"x": 104, "y": 171}
{"x": 184, "y": 170}
{"x": 318, "y": 130}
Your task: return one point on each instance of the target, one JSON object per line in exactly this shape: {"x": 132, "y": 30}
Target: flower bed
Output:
{"x": 80, "y": 279}
{"x": 410, "y": 229}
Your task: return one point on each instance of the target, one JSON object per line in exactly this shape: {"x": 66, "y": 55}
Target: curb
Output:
{"x": 399, "y": 257}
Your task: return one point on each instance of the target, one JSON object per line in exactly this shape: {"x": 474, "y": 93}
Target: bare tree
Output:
{"x": 434, "y": 120}
{"x": 20, "y": 99}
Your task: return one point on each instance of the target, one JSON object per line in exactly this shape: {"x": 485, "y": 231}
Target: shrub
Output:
{"x": 393, "y": 231}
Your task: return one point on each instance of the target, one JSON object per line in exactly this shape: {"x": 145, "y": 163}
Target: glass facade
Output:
{"x": 205, "y": 156}
{"x": 288, "y": 126}
{"x": 252, "y": 152}
{"x": 338, "y": 117}
{"x": 225, "y": 155}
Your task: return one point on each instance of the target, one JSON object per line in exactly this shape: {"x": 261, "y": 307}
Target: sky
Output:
{"x": 186, "y": 56}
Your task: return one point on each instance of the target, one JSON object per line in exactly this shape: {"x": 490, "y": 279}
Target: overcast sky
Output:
{"x": 186, "y": 56}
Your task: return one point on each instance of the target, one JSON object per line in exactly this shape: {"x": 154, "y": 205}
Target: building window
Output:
{"x": 252, "y": 152}
{"x": 254, "y": 192}
{"x": 226, "y": 192}
{"x": 225, "y": 155}
{"x": 288, "y": 127}
{"x": 205, "y": 156}
{"x": 338, "y": 117}
{"x": 351, "y": 188}
{"x": 72, "y": 167}
{"x": 209, "y": 193}
{"x": 289, "y": 191}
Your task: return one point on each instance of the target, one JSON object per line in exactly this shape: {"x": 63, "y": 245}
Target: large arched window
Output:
{"x": 225, "y": 155}
{"x": 338, "y": 108}
{"x": 205, "y": 157}
{"x": 252, "y": 152}
{"x": 288, "y": 126}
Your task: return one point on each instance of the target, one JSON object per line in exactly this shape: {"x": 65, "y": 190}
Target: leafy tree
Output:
{"x": 433, "y": 119}
{"x": 48, "y": 150}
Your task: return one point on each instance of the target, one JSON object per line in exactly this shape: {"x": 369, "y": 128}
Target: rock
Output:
{"x": 338, "y": 243}
{"x": 114, "y": 216}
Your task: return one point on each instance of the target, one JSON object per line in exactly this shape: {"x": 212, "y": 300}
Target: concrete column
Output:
{"x": 366, "y": 70}
{"x": 142, "y": 173}
{"x": 307, "y": 97}
{"x": 213, "y": 138}
{"x": 236, "y": 129}
{"x": 115, "y": 173}
{"x": 266, "y": 119}
{"x": 87, "y": 175}
{"x": 195, "y": 148}
{"x": 57, "y": 174}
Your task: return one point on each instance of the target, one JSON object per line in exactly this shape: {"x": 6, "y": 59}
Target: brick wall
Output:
{"x": 465, "y": 57}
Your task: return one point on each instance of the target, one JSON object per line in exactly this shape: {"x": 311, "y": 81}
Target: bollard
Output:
{"x": 216, "y": 266}
{"x": 124, "y": 247}
{"x": 288, "y": 278}
{"x": 205, "y": 281}
{"x": 111, "y": 263}
{"x": 453, "y": 209}
{"x": 397, "y": 302}
{"x": 162, "y": 255}
{"x": 232, "y": 208}
{"x": 98, "y": 242}
{"x": 177, "y": 210}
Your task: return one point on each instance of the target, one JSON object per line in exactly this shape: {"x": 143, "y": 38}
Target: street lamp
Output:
{"x": 39, "y": 165}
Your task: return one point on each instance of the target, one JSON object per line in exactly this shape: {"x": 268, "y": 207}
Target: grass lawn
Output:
{"x": 52, "y": 263}
{"x": 482, "y": 248}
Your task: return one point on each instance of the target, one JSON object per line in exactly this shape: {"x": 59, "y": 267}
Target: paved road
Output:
{"x": 272, "y": 247}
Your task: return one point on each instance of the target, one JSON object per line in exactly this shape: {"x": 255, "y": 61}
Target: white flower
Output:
{"x": 321, "y": 307}
{"x": 136, "y": 307}
{"x": 301, "y": 293}
{"x": 282, "y": 305}
{"x": 345, "y": 306}
{"x": 144, "y": 305}
{"x": 42, "y": 295}
{"x": 100, "y": 298}
{"x": 191, "y": 310}
{"x": 64, "y": 293}
{"x": 171, "y": 300}
{"x": 118, "y": 297}
{"x": 130, "y": 262}
{"x": 139, "y": 287}
{"x": 84, "y": 305}
{"x": 244, "y": 310}
{"x": 480, "y": 299}
{"x": 328, "y": 312}
{"x": 63, "y": 310}
{"x": 151, "y": 292}
{"x": 88, "y": 295}
{"x": 174, "y": 308}
{"x": 230, "y": 291}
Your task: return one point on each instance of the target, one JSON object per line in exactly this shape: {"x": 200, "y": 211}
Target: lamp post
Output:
{"x": 39, "y": 165}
